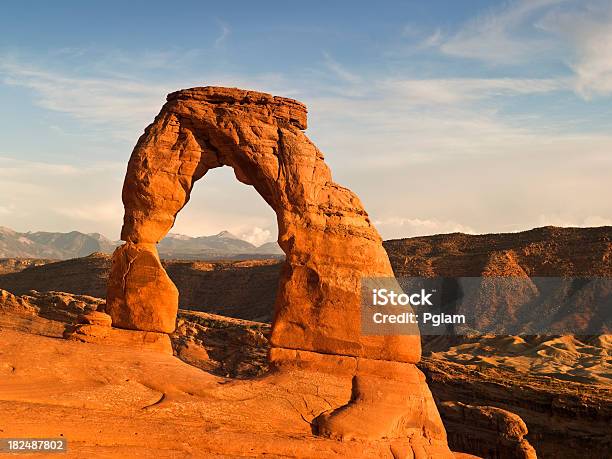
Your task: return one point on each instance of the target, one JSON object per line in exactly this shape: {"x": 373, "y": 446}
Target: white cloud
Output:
{"x": 495, "y": 36}
{"x": 434, "y": 39}
{"x": 225, "y": 33}
{"x": 257, "y": 236}
{"x": 424, "y": 39}
{"x": 340, "y": 71}
{"x": 18, "y": 168}
{"x": 398, "y": 227}
{"x": 456, "y": 90}
{"x": 461, "y": 167}
{"x": 119, "y": 105}
{"x": 575, "y": 33}
{"x": 96, "y": 211}
{"x": 124, "y": 105}
{"x": 588, "y": 34}
{"x": 61, "y": 197}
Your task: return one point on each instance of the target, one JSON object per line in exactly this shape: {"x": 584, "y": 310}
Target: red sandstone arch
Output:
{"x": 328, "y": 240}
{"x": 323, "y": 229}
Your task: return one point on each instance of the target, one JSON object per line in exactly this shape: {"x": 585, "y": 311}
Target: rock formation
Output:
{"x": 537, "y": 253}
{"x": 95, "y": 327}
{"x": 544, "y": 252}
{"x": 493, "y": 432}
{"x": 329, "y": 242}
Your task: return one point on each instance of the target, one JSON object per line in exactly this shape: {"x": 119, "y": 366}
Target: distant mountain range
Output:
{"x": 63, "y": 246}
{"x": 224, "y": 244}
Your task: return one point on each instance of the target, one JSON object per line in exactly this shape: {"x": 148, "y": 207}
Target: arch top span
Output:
{"x": 289, "y": 110}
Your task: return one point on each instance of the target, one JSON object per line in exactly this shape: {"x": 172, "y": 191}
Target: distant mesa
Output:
{"x": 546, "y": 251}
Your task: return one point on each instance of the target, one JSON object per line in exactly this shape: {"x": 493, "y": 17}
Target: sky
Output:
{"x": 443, "y": 116}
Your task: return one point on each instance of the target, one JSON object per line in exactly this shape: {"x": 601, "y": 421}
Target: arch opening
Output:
{"x": 216, "y": 254}
{"x": 218, "y": 203}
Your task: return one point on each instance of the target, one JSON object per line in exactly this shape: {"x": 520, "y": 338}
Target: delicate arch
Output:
{"x": 326, "y": 234}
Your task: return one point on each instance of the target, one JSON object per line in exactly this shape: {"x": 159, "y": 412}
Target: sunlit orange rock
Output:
{"x": 141, "y": 296}
{"x": 329, "y": 242}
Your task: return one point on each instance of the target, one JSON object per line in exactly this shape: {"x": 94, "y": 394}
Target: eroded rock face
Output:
{"x": 323, "y": 228}
{"x": 329, "y": 242}
{"x": 141, "y": 296}
{"x": 493, "y": 432}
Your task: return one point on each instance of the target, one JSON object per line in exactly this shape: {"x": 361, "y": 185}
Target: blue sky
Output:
{"x": 474, "y": 116}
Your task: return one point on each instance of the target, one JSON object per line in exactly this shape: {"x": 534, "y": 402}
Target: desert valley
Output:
{"x": 499, "y": 396}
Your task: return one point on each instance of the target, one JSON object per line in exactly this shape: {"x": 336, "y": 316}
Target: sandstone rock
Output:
{"x": 103, "y": 334}
{"x": 141, "y": 296}
{"x": 15, "y": 304}
{"x": 329, "y": 242}
{"x": 96, "y": 318}
{"x": 325, "y": 232}
{"x": 195, "y": 355}
{"x": 493, "y": 432}
{"x": 389, "y": 400}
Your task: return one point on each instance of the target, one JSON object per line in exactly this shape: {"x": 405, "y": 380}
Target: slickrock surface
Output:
{"x": 118, "y": 402}
{"x": 115, "y": 401}
{"x": 96, "y": 327}
{"x": 108, "y": 395}
{"x": 329, "y": 242}
{"x": 565, "y": 419}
